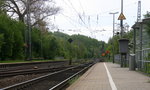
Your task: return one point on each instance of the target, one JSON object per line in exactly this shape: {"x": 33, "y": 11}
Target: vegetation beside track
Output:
{"x": 74, "y": 79}
{"x": 13, "y": 47}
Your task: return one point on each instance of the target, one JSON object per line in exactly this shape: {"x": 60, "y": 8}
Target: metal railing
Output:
{"x": 143, "y": 60}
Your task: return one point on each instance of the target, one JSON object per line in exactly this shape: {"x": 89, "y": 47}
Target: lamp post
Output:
{"x": 114, "y": 20}
{"x": 121, "y": 21}
{"x": 113, "y": 31}
{"x": 123, "y": 54}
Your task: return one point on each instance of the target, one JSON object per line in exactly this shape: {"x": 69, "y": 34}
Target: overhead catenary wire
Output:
{"x": 77, "y": 12}
{"x": 71, "y": 20}
{"x": 74, "y": 21}
{"x": 83, "y": 14}
{"x": 67, "y": 4}
{"x": 81, "y": 6}
{"x": 70, "y": 5}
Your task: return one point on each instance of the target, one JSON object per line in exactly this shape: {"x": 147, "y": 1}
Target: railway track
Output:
{"x": 52, "y": 81}
{"x": 31, "y": 65}
{"x": 30, "y": 71}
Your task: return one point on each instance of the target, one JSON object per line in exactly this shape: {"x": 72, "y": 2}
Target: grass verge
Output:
{"x": 74, "y": 79}
{"x": 24, "y": 61}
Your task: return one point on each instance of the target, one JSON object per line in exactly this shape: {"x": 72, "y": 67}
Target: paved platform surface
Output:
{"x": 108, "y": 76}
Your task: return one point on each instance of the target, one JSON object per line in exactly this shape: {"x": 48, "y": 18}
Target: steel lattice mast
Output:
{"x": 139, "y": 11}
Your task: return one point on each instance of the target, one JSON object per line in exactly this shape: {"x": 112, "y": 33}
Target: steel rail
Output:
{"x": 6, "y": 65}
{"x": 39, "y": 79}
{"x": 65, "y": 82}
{"x": 31, "y": 71}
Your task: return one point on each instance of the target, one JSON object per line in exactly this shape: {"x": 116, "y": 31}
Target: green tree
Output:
{"x": 38, "y": 9}
{"x": 1, "y": 41}
{"x": 82, "y": 46}
{"x": 36, "y": 43}
{"x": 50, "y": 46}
{"x": 1, "y": 8}
{"x": 147, "y": 27}
{"x": 12, "y": 38}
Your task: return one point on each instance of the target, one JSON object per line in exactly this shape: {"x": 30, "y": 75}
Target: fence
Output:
{"x": 143, "y": 60}
{"x": 117, "y": 59}
{"x": 142, "y": 45}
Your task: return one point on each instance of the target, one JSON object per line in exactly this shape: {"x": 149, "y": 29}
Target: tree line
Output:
{"x": 45, "y": 44}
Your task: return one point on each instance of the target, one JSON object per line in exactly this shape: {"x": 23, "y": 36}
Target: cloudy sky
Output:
{"x": 92, "y": 18}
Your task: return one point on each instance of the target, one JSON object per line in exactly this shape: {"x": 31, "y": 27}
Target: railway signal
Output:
{"x": 70, "y": 41}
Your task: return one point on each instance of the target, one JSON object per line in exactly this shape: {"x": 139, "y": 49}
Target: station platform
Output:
{"x": 109, "y": 76}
